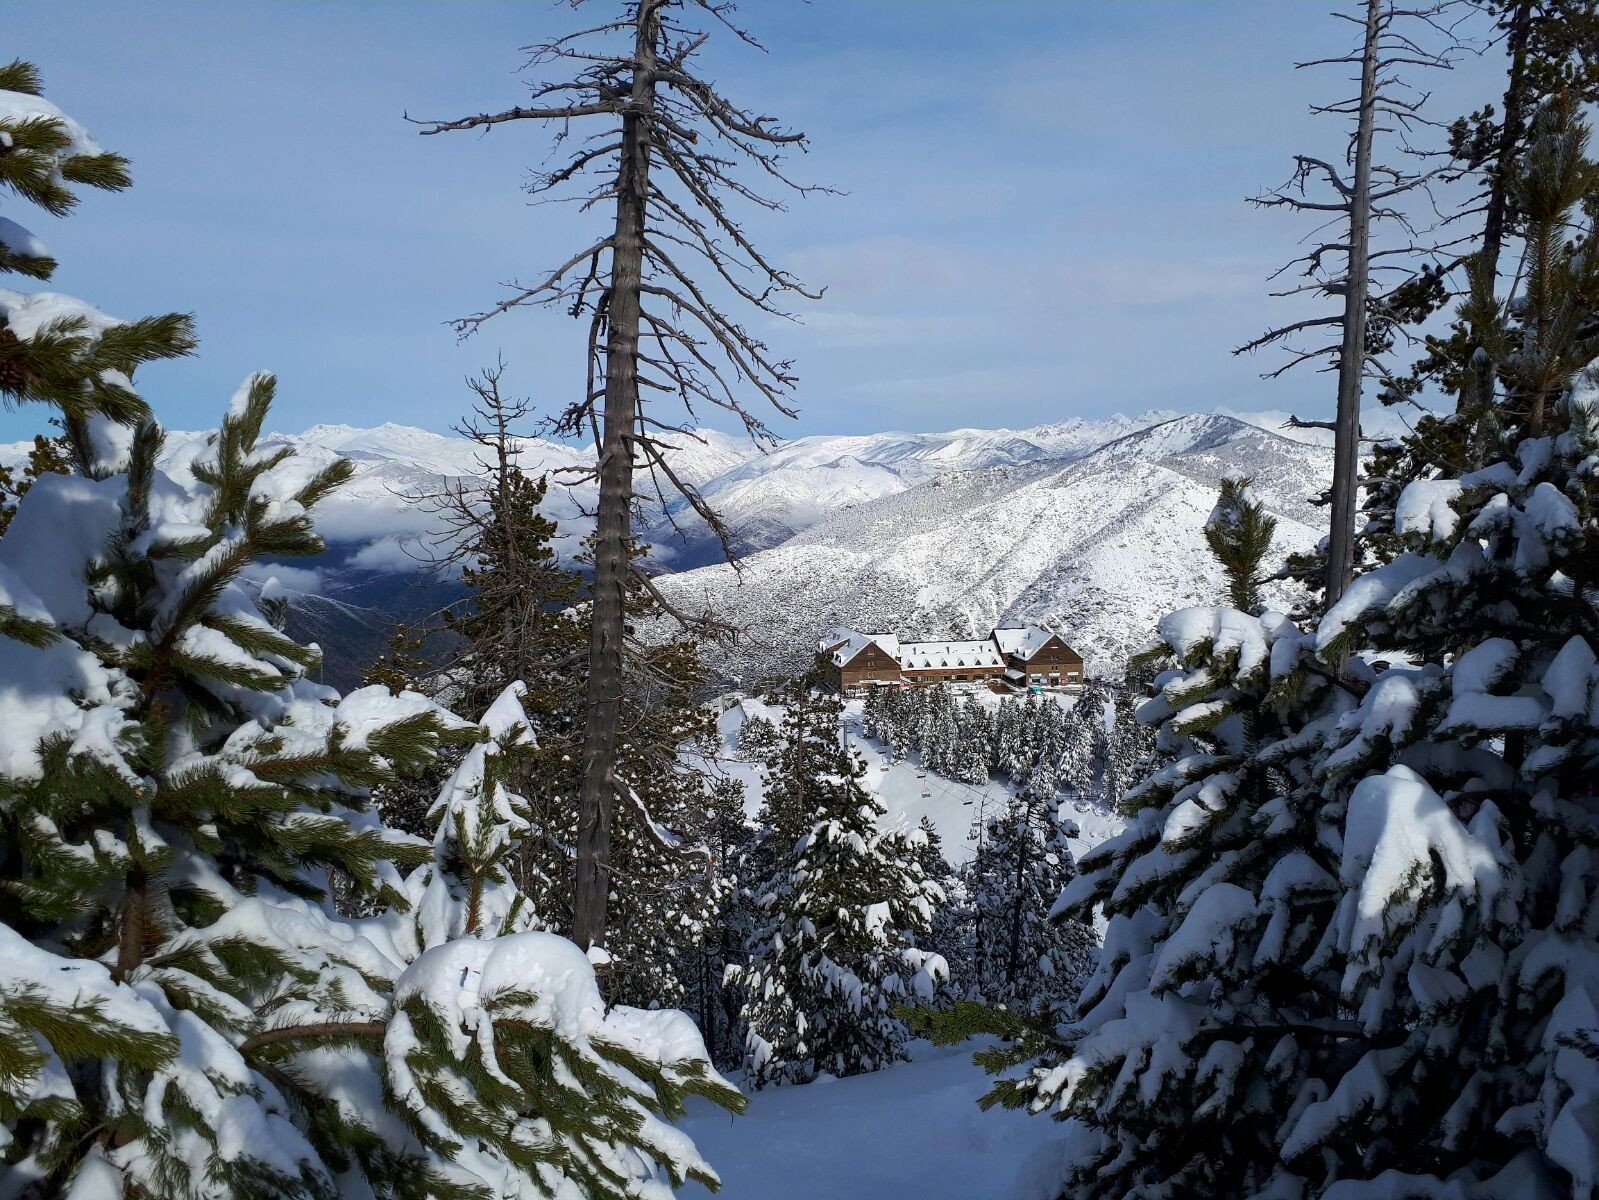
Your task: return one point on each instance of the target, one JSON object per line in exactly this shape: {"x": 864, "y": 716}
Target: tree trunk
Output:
{"x": 132, "y": 933}
{"x": 1493, "y": 228}
{"x": 613, "y": 532}
{"x": 1013, "y": 959}
{"x": 1352, "y": 356}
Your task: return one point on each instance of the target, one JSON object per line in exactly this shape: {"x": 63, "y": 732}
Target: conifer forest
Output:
{"x": 861, "y": 600}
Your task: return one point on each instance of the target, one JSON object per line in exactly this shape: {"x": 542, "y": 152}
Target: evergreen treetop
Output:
{"x": 834, "y": 949}
{"x": 55, "y": 349}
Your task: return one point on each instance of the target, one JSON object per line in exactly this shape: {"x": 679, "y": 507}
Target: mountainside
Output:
{"x": 1098, "y": 548}
{"x": 769, "y": 497}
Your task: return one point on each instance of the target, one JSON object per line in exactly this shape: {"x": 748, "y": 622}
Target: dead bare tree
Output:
{"x": 667, "y": 155}
{"x": 1355, "y": 196}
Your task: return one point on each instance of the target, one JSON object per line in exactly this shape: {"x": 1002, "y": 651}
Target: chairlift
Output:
{"x": 926, "y": 793}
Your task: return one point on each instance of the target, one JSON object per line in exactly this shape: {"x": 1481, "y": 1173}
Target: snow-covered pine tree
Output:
{"x": 571, "y": 1088}
{"x": 950, "y": 934}
{"x": 175, "y": 795}
{"x": 182, "y": 1012}
{"x": 833, "y": 954}
{"x": 1085, "y": 745}
{"x": 728, "y": 835}
{"x": 757, "y": 736}
{"x": 1360, "y": 960}
{"x": 1129, "y": 747}
{"x": 904, "y": 722}
{"x": 872, "y": 714}
{"x": 792, "y": 757}
{"x": 1021, "y": 960}
{"x": 55, "y": 349}
{"x": 666, "y": 896}
{"x": 469, "y": 888}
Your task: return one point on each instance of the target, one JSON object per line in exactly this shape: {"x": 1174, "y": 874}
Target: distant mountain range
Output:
{"x": 1091, "y": 527}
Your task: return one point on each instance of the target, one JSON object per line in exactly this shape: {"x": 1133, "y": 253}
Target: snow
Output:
{"x": 1206, "y": 936}
{"x": 948, "y": 655}
{"x": 1374, "y": 590}
{"x": 1397, "y": 825}
{"x": 913, "y": 1130}
{"x": 456, "y": 979}
{"x": 67, "y": 983}
{"x": 1424, "y": 508}
{"x": 1091, "y": 528}
{"x": 59, "y": 687}
{"x": 1022, "y": 641}
{"x": 1474, "y": 707}
{"x": 367, "y": 710}
{"x": 844, "y": 644}
{"x": 67, "y": 519}
{"x": 28, "y": 312}
{"x": 1552, "y": 515}
{"x": 16, "y": 107}
{"x": 1226, "y": 630}
{"x": 1570, "y": 678}
{"x": 21, "y": 241}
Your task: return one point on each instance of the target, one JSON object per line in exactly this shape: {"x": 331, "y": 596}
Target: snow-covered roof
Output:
{"x": 950, "y": 656}
{"x": 1021, "y": 641}
{"x": 843, "y": 644}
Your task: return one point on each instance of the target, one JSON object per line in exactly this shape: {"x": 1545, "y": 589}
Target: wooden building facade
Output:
{"x": 1020, "y": 657}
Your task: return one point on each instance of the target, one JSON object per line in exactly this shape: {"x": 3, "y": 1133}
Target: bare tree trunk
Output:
{"x": 676, "y": 146}
{"x": 613, "y": 534}
{"x": 1352, "y": 356}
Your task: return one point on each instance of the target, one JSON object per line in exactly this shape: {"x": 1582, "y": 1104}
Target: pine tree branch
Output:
{"x": 316, "y": 1031}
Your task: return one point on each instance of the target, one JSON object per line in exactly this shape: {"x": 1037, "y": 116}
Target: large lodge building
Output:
{"x": 1020, "y": 657}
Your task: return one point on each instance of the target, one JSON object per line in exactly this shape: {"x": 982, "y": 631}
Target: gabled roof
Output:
{"x": 948, "y": 656}
{"x": 842, "y": 644}
{"x": 1021, "y": 641}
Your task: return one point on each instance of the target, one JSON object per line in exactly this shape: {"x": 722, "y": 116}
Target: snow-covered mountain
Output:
{"x": 1097, "y": 547}
{"x": 769, "y": 497}
{"x": 1091, "y": 525}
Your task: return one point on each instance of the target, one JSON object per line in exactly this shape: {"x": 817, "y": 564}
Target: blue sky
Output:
{"x": 1044, "y": 213}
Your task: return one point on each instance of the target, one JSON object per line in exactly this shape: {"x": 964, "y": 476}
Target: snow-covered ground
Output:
{"x": 912, "y": 1132}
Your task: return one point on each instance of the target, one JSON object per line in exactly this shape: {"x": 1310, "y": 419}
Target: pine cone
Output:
{"x": 14, "y": 370}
